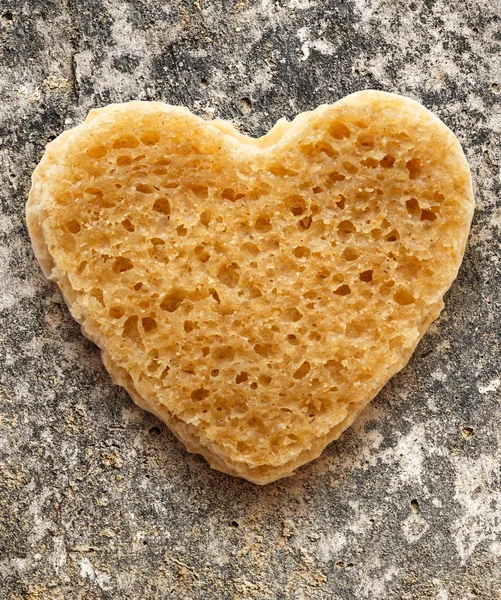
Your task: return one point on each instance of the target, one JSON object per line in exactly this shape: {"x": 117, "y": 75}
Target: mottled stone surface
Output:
{"x": 97, "y": 499}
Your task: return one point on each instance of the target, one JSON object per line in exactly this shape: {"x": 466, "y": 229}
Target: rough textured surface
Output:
{"x": 254, "y": 294}
{"x": 97, "y": 499}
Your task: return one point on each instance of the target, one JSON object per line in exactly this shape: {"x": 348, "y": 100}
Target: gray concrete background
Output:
{"x": 97, "y": 499}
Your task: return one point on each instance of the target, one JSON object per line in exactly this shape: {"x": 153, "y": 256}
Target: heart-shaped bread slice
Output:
{"x": 254, "y": 294}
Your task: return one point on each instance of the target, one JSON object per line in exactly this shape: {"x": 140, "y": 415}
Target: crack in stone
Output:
{"x": 75, "y": 39}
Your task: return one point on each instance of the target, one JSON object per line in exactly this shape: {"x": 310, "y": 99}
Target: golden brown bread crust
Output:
{"x": 254, "y": 294}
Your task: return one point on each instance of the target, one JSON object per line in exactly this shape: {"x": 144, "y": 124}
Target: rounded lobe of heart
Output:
{"x": 255, "y": 294}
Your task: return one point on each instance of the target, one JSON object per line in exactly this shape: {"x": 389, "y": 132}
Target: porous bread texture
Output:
{"x": 254, "y": 294}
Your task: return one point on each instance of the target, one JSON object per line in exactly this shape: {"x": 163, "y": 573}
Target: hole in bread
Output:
{"x": 200, "y": 191}
{"x": 428, "y": 215}
{"x": 229, "y": 274}
{"x": 149, "y": 324}
{"x": 328, "y": 150}
{"x": 396, "y": 342}
{"x": 335, "y": 176}
{"x": 251, "y": 248}
{"x": 412, "y": 206}
{"x": 334, "y": 366}
{"x": 293, "y": 314}
{"x": 138, "y": 286}
{"x": 97, "y": 293}
{"x": 126, "y": 224}
{"x": 92, "y": 191}
{"x": 74, "y": 226}
{"x": 126, "y": 141}
{"x": 189, "y": 326}
{"x": 254, "y": 292}
{"x": 366, "y": 275}
{"x": 403, "y": 297}
{"x": 343, "y": 290}
{"x": 264, "y": 350}
{"x": 150, "y": 138}
{"x": 214, "y": 372}
{"x": 305, "y": 223}
{"x": 253, "y": 385}
{"x": 346, "y": 228}
{"x": 173, "y": 300}
{"x": 323, "y": 273}
{"x": 303, "y": 370}
{"x": 365, "y": 141}
{"x": 387, "y": 162}
{"x": 339, "y": 130}
{"x": 317, "y": 189}
{"x": 355, "y": 329}
{"x": 201, "y": 253}
{"x": 131, "y": 331}
{"x": 393, "y": 236}
{"x": 199, "y": 395}
{"x": 280, "y": 170}
{"x": 124, "y": 160}
{"x": 350, "y": 254}
{"x": 341, "y": 203}
{"x": 302, "y": 252}
{"x": 229, "y": 194}
{"x": 414, "y": 168}
{"x": 144, "y": 188}
{"x": 116, "y": 312}
{"x": 157, "y": 241}
{"x": 181, "y": 230}
{"x": 162, "y": 205}
{"x": 215, "y": 295}
{"x": 263, "y": 224}
{"x": 296, "y": 205}
{"x": 122, "y": 264}
{"x": 97, "y": 152}
{"x": 153, "y": 366}
{"x": 224, "y": 353}
{"x": 241, "y": 377}
{"x": 205, "y": 218}
{"x": 264, "y": 379}
{"x": 205, "y": 351}
{"x": 350, "y": 168}
{"x": 369, "y": 162}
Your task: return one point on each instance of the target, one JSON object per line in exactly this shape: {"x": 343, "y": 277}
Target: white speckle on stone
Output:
{"x": 495, "y": 548}
{"x": 36, "y": 511}
{"x": 302, "y": 4}
{"x": 409, "y": 451}
{"x": 307, "y": 43}
{"x": 375, "y": 587}
{"x": 362, "y": 522}
{"x": 88, "y": 571}
{"x": 60, "y": 556}
{"x": 441, "y": 592}
{"x": 474, "y": 492}
{"x": 492, "y": 386}
{"x": 414, "y": 527}
{"x": 330, "y": 545}
{"x": 439, "y": 375}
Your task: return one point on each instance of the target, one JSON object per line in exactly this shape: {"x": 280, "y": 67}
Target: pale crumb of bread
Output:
{"x": 254, "y": 294}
